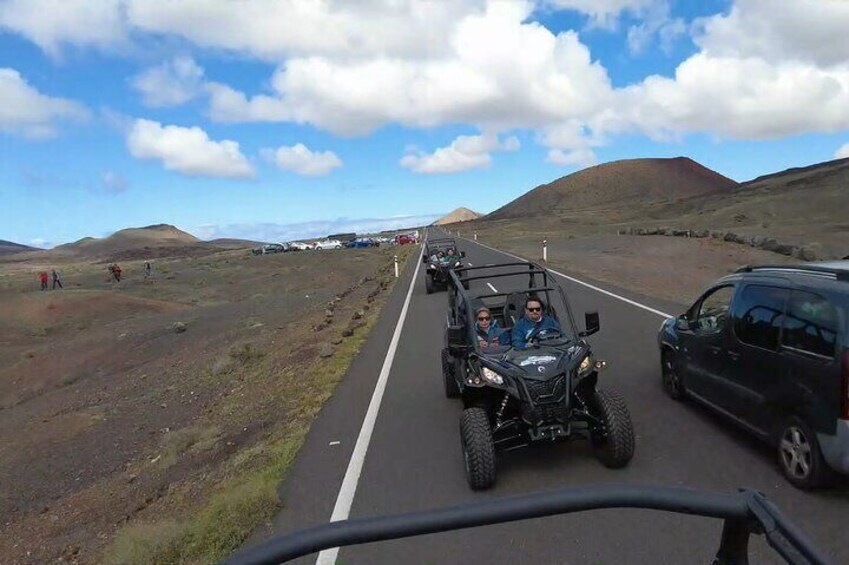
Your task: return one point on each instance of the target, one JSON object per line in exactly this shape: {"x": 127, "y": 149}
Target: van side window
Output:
{"x": 713, "y": 310}
{"x": 758, "y": 315}
{"x": 811, "y": 324}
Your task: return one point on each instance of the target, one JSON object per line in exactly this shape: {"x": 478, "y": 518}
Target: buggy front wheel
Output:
{"x": 429, "y": 284}
{"x": 478, "y": 448}
{"x": 613, "y": 440}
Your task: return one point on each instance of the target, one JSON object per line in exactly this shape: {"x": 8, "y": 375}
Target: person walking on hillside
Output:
{"x": 115, "y": 270}
{"x": 147, "y": 269}
{"x": 57, "y": 279}
{"x": 42, "y": 276}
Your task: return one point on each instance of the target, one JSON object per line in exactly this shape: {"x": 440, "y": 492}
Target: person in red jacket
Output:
{"x": 42, "y": 276}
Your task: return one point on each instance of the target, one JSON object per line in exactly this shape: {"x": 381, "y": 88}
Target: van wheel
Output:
{"x": 672, "y": 383}
{"x": 478, "y": 448}
{"x": 451, "y": 388}
{"x": 799, "y": 456}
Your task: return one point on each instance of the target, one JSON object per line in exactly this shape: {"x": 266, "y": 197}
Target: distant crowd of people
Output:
{"x": 114, "y": 269}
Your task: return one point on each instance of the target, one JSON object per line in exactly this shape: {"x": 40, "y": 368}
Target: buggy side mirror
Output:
{"x": 456, "y": 338}
{"x": 592, "y": 322}
{"x": 463, "y": 254}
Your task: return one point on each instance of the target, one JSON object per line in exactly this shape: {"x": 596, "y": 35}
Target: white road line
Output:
{"x": 355, "y": 466}
{"x": 588, "y": 285}
{"x": 492, "y": 287}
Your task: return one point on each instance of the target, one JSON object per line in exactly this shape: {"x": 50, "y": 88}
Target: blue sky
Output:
{"x": 281, "y": 119}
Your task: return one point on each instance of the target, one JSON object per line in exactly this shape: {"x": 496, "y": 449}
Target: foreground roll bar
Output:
{"x": 745, "y": 513}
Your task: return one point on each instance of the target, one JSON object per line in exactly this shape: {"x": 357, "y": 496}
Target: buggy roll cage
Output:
{"x": 524, "y": 268}
{"x": 440, "y": 243}
{"x": 744, "y": 513}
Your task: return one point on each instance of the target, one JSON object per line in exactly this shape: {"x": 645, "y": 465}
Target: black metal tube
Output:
{"x": 538, "y": 505}
{"x": 790, "y": 531}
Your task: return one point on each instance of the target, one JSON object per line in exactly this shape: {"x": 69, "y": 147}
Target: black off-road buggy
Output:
{"x": 437, "y": 273}
{"x": 545, "y": 393}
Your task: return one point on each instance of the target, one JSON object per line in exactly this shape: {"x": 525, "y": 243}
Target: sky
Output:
{"x": 284, "y": 119}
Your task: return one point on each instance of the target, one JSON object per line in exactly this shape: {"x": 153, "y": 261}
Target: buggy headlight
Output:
{"x": 458, "y": 264}
{"x": 432, "y": 266}
{"x": 491, "y": 376}
{"x": 586, "y": 366}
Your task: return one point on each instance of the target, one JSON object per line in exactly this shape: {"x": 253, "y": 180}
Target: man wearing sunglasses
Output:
{"x": 531, "y": 324}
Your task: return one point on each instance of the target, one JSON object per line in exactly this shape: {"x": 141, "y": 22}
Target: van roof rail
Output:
{"x": 821, "y": 270}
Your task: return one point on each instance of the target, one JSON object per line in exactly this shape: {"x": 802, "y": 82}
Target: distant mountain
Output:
{"x": 813, "y": 174}
{"x": 10, "y": 247}
{"x": 458, "y": 215}
{"x": 617, "y": 185}
{"x": 157, "y": 236}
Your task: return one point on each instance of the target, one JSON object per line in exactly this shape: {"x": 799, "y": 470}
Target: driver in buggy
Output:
{"x": 532, "y": 324}
{"x": 451, "y": 256}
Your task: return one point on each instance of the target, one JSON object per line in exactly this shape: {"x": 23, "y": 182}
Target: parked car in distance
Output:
{"x": 405, "y": 239}
{"x": 328, "y": 244}
{"x": 768, "y": 348}
{"x": 271, "y": 248}
{"x": 362, "y": 243}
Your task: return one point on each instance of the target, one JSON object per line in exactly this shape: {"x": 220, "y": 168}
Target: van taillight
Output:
{"x": 844, "y": 400}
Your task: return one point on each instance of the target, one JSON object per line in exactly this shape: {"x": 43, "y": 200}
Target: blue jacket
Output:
{"x": 525, "y": 329}
{"x": 495, "y": 332}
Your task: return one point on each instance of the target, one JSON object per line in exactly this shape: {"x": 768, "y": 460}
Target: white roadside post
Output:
{"x": 395, "y": 261}
{"x": 545, "y": 250}
{"x": 476, "y": 236}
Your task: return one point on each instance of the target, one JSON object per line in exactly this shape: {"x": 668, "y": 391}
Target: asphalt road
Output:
{"x": 414, "y": 460}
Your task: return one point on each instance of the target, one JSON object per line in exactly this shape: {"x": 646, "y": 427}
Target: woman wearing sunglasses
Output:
{"x": 487, "y": 331}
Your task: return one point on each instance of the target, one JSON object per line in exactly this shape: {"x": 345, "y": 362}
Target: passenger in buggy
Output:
{"x": 487, "y": 331}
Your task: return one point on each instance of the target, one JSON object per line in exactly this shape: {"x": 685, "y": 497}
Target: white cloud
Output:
{"x": 658, "y": 21}
{"x": 764, "y": 69}
{"x": 301, "y": 160}
{"x": 603, "y": 13}
{"x": 113, "y": 183}
{"x": 50, "y": 23}
{"x": 806, "y": 31}
{"x": 578, "y": 157}
{"x": 187, "y": 150}
{"x": 740, "y": 98}
{"x": 526, "y": 77}
{"x": 466, "y": 152}
{"x": 842, "y": 153}
{"x": 24, "y": 111}
{"x": 172, "y": 83}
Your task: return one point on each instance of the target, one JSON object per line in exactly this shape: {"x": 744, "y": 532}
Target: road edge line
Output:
{"x": 345, "y": 498}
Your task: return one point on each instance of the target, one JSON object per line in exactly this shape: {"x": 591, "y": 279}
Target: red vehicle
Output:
{"x": 405, "y": 238}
